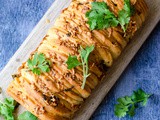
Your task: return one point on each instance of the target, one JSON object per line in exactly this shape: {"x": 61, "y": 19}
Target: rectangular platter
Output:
{"x": 112, "y": 75}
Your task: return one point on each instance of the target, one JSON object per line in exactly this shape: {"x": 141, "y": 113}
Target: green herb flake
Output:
{"x": 38, "y": 64}
{"x": 7, "y": 108}
{"x": 126, "y": 105}
{"x": 27, "y": 116}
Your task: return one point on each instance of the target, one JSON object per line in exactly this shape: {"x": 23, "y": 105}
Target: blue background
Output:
{"x": 18, "y": 18}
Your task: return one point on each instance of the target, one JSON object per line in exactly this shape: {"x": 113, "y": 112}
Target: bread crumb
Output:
{"x": 48, "y": 21}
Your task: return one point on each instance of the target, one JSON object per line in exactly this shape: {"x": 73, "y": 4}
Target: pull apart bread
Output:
{"x": 57, "y": 94}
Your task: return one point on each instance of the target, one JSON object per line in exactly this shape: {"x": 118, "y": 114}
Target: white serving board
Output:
{"x": 35, "y": 37}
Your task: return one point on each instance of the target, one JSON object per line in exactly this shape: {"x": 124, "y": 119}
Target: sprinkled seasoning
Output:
{"x": 68, "y": 34}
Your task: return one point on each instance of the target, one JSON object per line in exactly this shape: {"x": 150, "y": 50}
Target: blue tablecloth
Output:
{"x": 18, "y": 18}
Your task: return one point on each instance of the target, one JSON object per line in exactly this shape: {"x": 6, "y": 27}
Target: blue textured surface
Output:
{"x": 17, "y": 19}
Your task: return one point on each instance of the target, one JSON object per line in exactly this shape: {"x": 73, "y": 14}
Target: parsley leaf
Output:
{"x": 73, "y": 62}
{"x": 27, "y": 116}
{"x": 100, "y": 17}
{"x": 38, "y": 64}
{"x": 7, "y": 108}
{"x": 127, "y": 104}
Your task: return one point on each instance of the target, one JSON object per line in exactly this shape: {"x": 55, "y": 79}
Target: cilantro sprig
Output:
{"x": 38, "y": 64}
{"x": 73, "y": 62}
{"x": 84, "y": 53}
{"x": 7, "y": 108}
{"x": 128, "y": 104}
{"x": 100, "y": 17}
{"x": 124, "y": 15}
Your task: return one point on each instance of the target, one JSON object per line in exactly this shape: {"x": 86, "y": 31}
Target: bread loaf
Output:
{"x": 57, "y": 94}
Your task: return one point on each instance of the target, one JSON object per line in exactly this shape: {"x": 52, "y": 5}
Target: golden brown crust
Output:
{"x": 56, "y": 95}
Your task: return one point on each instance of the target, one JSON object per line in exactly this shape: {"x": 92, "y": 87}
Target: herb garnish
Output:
{"x": 38, "y": 64}
{"x": 100, "y": 17}
{"x": 84, "y": 53}
{"x": 72, "y": 62}
{"x": 124, "y": 15}
{"x": 7, "y": 108}
{"x": 128, "y": 104}
{"x": 27, "y": 116}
